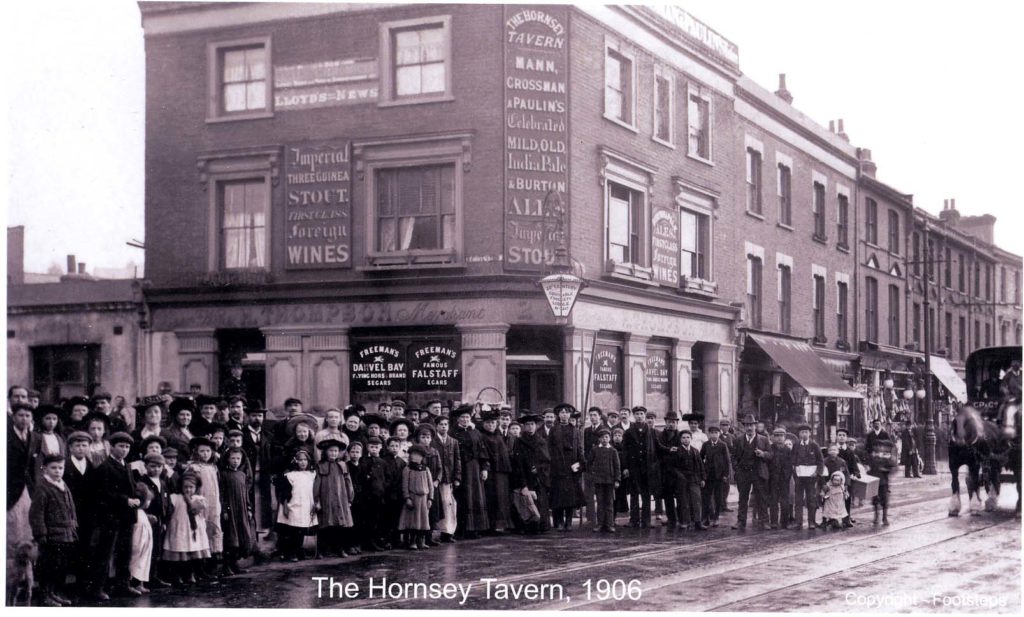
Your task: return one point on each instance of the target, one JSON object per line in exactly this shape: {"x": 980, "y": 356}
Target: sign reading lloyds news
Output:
{"x": 536, "y": 135}
{"x": 318, "y": 190}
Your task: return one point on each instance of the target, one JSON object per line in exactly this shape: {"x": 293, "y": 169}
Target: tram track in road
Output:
{"x": 669, "y": 549}
{"x": 738, "y": 580}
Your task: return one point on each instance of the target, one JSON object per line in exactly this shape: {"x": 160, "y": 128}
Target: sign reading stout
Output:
{"x": 607, "y": 369}
{"x": 435, "y": 365}
{"x": 536, "y": 150}
{"x": 378, "y": 367}
{"x": 656, "y": 371}
{"x": 325, "y": 84}
{"x": 318, "y": 190}
{"x": 665, "y": 246}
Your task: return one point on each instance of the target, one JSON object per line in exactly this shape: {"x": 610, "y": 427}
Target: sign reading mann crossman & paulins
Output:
{"x": 536, "y": 135}
{"x": 317, "y": 206}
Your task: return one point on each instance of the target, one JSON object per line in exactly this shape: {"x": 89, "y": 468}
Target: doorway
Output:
{"x": 248, "y": 348}
{"x": 534, "y": 387}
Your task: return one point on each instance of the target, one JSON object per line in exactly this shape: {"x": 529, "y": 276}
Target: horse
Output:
{"x": 972, "y": 442}
{"x": 1007, "y": 453}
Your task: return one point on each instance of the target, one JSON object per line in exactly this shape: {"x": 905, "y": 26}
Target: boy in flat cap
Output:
{"x": 54, "y": 527}
{"x": 605, "y": 471}
{"x": 780, "y": 470}
{"x": 641, "y": 468}
{"x": 372, "y": 479}
{"x": 117, "y": 501}
{"x": 718, "y": 467}
{"x": 158, "y": 510}
{"x": 80, "y": 478}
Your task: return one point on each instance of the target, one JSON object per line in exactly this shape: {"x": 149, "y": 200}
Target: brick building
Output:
{"x": 356, "y": 203}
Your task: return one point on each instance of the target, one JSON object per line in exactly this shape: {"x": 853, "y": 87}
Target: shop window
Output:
{"x": 871, "y": 308}
{"x": 754, "y": 269}
{"x": 698, "y": 123}
{"x": 894, "y": 232}
{"x": 244, "y": 209}
{"x": 785, "y": 195}
{"x": 753, "y": 181}
{"x": 785, "y": 297}
{"x": 619, "y": 86}
{"x": 413, "y": 199}
{"x": 664, "y": 104}
{"x": 870, "y": 221}
{"x": 416, "y": 60}
{"x": 894, "y": 315}
{"x": 239, "y": 80}
{"x": 818, "y": 205}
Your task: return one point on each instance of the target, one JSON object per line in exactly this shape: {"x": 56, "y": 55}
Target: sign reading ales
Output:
{"x": 435, "y": 365}
{"x": 317, "y": 206}
{"x": 607, "y": 369}
{"x": 536, "y": 135}
{"x": 378, "y": 366}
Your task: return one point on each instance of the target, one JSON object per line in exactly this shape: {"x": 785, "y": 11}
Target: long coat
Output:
{"x": 20, "y": 474}
{"x": 115, "y": 487}
{"x": 83, "y": 491}
{"x": 334, "y": 492}
{"x": 664, "y": 441}
{"x": 496, "y": 487}
{"x": 472, "y": 505}
{"x": 451, "y": 460}
{"x": 565, "y": 445}
{"x": 642, "y": 459}
{"x": 717, "y": 460}
{"x": 417, "y": 488}
{"x": 237, "y": 525}
{"x": 52, "y": 514}
{"x": 531, "y": 469}
{"x": 908, "y": 446}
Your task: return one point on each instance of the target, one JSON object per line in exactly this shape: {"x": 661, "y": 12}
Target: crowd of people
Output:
{"x": 176, "y": 490}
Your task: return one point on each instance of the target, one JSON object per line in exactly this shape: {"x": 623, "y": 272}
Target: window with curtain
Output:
{"x": 415, "y": 208}
{"x": 618, "y": 87}
{"x": 753, "y": 181}
{"x": 785, "y": 298}
{"x": 420, "y": 60}
{"x": 894, "y": 315}
{"x": 693, "y": 243}
{"x": 819, "y": 309}
{"x": 785, "y": 195}
{"x": 699, "y": 126}
{"x": 843, "y": 226}
{"x": 871, "y": 221}
{"x": 244, "y": 79}
{"x": 754, "y": 267}
{"x": 245, "y": 206}
{"x": 894, "y": 231}
{"x": 842, "y": 309}
{"x": 871, "y": 308}
{"x": 625, "y": 224}
{"x": 819, "y": 211}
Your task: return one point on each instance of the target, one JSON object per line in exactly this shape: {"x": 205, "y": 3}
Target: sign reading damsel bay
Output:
{"x": 536, "y": 135}
{"x": 317, "y": 229}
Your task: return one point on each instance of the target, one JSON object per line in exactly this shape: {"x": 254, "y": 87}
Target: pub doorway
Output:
{"x": 247, "y": 347}
{"x": 534, "y": 367}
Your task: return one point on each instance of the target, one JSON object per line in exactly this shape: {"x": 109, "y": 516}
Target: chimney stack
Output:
{"x": 81, "y": 267}
{"x": 782, "y": 92}
{"x": 867, "y": 166}
{"x": 842, "y": 132}
{"x": 71, "y": 264}
{"x": 831, "y": 126}
{"x": 949, "y": 214}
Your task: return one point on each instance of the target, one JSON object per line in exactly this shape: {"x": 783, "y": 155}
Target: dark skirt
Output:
{"x": 472, "y": 505}
{"x": 498, "y": 495}
{"x": 566, "y": 491}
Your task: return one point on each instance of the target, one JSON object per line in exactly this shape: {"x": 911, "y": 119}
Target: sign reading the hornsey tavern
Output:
{"x": 317, "y": 229}
{"x": 536, "y": 135}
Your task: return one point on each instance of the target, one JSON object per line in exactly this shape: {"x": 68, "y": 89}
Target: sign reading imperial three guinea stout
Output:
{"x": 317, "y": 206}
{"x": 536, "y": 135}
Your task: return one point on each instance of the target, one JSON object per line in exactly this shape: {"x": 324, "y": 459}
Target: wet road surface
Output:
{"x": 923, "y": 561}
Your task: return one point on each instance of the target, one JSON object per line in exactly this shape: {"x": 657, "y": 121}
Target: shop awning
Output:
{"x": 946, "y": 374}
{"x": 804, "y": 366}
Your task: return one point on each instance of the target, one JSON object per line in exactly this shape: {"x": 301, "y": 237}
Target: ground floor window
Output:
{"x": 63, "y": 371}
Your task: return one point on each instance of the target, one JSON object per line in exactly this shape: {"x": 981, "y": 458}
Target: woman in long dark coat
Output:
{"x": 237, "y": 524}
{"x": 531, "y": 468}
{"x": 566, "y": 449}
{"x": 471, "y": 510}
{"x": 496, "y": 488}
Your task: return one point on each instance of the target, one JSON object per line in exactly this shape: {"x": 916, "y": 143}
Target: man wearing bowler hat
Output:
{"x": 750, "y": 461}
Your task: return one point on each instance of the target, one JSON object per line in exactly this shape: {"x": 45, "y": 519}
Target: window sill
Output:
{"x": 820, "y": 239}
{"x": 755, "y": 215}
{"x": 785, "y": 226}
{"x": 700, "y": 159}
{"x": 417, "y": 100}
{"x": 413, "y": 259}
{"x": 819, "y": 340}
{"x": 630, "y": 272}
{"x": 260, "y": 115}
{"x": 703, "y": 287}
{"x": 661, "y": 141}
{"x": 621, "y": 123}
{"x": 843, "y": 248}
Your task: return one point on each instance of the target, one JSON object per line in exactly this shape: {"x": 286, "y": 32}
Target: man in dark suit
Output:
{"x": 158, "y": 511}
{"x": 80, "y": 478}
{"x": 642, "y": 468}
{"x": 259, "y": 447}
{"x": 590, "y": 439}
{"x": 718, "y": 465}
{"x": 750, "y": 460}
{"x": 22, "y": 442}
{"x": 908, "y": 452}
{"x": 875, "y": 434}
{"x": 780, "y": 473}
{"x": 808, "y": 464}
{"x": 115, "y": 498}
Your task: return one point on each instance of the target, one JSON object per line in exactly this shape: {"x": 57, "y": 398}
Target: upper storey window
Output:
{"x": 240, "y": 85}
{"x": 416, "y": 56}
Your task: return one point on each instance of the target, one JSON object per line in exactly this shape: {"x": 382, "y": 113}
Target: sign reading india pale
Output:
{"x": 536, "y": 135}
{"x": 607, "y": 369}
{"x": 317, "y": 206}
{"x": 378, "y": 367}
{"x": 435, "y": 365}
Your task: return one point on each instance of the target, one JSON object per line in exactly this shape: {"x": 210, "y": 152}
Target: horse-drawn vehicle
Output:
{"x": 985, "y": 434}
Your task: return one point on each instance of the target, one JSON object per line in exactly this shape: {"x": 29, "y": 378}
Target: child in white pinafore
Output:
{"x": 186, "y": 543}
{"x": 203, "y": 465}
{"x": 296, "y": 514}
{"x": 833, "y": 510}
{"x": 142, "y": 540}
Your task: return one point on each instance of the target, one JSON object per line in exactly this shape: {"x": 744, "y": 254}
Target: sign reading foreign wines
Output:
{"x": 607, "y": 369}
{"x": 378, "y": 367}
{"x": 435, "y": 365}
{"x": 536, "y": 135}
{"x": 317, "y": 206}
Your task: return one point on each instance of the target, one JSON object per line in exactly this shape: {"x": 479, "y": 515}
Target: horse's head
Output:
{"x": 967, "y": 427}
{"x": 1010, "y": 417}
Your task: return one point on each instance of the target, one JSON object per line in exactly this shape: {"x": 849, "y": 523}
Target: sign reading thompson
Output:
{"x": 607, "y": 369}
{"x": 536, "y": 135}
{"x": 317, "y": 206}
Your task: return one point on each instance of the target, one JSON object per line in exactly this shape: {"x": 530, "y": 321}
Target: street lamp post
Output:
{"x": 929, "y": 423}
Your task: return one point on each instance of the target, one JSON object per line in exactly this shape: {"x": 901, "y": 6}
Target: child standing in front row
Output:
{"x": 185, "y": 543}
{"x": 333, "y": 493}
{"x": 881, "y": 466}
{"x": 417, "y": 491}
{"x": 833, "y": 494}
{"x": 54, "y": 527}
{"x": 141, "y": 561}
{"x": 605, "y": 470}
{"x": 296, "y": 517}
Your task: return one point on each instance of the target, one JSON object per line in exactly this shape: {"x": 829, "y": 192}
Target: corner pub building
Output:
{"x": 358, "y": 202}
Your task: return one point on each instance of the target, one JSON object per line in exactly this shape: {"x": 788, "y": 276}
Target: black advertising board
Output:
{"x": 607, "y": 369}
{"x": 657, "y": 371}
{"x": 435, "y": 365}
{"x": 536, "y": 152}
{"x": 379, "y": 367}
{"x": 317, "y": 229}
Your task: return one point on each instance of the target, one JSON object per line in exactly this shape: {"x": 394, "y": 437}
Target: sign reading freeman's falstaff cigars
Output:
{"x": 536, "y": 135}
{"x": 317, "y": 206}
